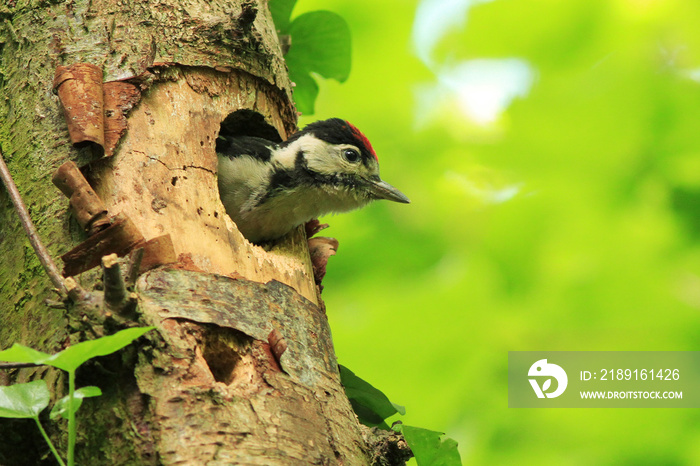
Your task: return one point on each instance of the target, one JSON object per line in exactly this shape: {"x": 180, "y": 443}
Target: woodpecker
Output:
{"x": 270, "y": 188}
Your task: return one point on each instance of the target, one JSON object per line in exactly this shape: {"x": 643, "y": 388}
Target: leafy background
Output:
{"x": 552, "y": 153}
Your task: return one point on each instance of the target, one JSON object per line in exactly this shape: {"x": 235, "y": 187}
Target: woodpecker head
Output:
{"x": 268, "y": 188}
{"x": 338, "y": 154}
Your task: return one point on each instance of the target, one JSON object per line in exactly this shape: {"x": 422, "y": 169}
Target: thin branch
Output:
{"x": 41, "y": 252}
{"x": 17, "y": 365}
{"x": 115, "y": 289}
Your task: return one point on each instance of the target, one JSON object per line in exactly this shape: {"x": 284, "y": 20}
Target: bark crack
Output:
{"x": 184, "y": 167}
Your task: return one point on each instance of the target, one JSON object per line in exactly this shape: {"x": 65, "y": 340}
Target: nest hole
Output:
{"x": 246, "y": 122}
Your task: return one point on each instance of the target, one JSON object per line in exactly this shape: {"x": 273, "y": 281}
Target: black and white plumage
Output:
{"x": 270, "y": 188}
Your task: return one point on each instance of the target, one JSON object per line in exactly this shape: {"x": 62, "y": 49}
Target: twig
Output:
{"x": 134, "y": 267}
{"x": 116, "y": 296}
{"x": 29, "y": 228}
{"x": 115, "y": 288}
{"x": 17, "y": 365}
{"x": 75, "y": 292}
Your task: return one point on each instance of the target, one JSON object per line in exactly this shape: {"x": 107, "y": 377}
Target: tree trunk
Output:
{"x": 212, "y": 384}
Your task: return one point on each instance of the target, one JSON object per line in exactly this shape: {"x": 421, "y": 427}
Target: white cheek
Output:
{"x": 320, "y": 155}
{"x": 326, "y": 158}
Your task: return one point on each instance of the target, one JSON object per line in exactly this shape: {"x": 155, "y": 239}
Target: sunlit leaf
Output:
{"x": 72, "y": 357}
{"x": 24, "y": 400}
{"x": 24, "y": 354}
{"x": 61, "y": 407}
{"x": 428, "y": 447}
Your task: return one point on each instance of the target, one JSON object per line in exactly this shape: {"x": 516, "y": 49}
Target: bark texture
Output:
{"x": 210, "y": 385}
{"x": 255, "y": 413}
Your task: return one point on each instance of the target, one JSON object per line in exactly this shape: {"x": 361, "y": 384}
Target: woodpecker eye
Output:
{"x": 351, "y": 155}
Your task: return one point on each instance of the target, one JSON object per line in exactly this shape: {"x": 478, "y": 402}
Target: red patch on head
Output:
{"x": 363, "y": 139}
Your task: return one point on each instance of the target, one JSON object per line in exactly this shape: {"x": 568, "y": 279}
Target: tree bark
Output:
{"x": 213, "y": 383}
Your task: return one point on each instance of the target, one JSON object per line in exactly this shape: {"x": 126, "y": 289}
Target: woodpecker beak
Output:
{"x": 383, "y": 190}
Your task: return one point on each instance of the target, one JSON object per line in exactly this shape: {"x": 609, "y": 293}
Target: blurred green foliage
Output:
{"x": 568, "y": 221}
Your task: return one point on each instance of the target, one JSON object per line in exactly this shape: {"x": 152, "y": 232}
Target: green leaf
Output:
{"x": 281, "y": 11}
{"x": 428, "y": 448}
{"x": 24, "y": 400}
{"x": 72, "y": 357}
{"x": 320, "y": 43}
{"x": 399, "y": 409}
{"x": 61, "y": 407}
{"x": 371, "y": 405}
{"x": 21, "y": 353}
{"x": 305, "y": 92}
